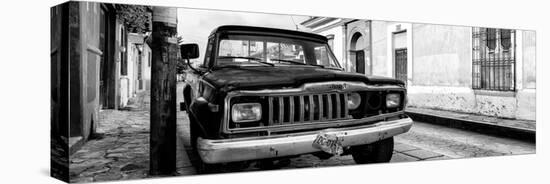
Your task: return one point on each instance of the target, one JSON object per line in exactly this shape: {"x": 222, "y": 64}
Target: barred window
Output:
{"x": 505, "y": 39}
{"x": 491, "y": 38}
{"x": 493, "y": 66}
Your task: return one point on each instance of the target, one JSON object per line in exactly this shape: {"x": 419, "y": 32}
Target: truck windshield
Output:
{"x": 255, "y": 50}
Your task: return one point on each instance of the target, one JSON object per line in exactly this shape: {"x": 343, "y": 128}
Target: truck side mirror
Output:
{"x": 189, "y": 51}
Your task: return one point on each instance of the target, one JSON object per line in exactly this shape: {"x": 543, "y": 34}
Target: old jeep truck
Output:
{"x": 269, "y": 94}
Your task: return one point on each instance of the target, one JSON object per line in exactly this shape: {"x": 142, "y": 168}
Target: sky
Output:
{"x": 194, "y": 25}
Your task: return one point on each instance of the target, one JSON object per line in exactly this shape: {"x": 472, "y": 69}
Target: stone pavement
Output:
{"x": 121, "y": 150}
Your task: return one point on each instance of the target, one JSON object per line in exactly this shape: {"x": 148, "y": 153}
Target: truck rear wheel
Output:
{"x": 376, "y": 152}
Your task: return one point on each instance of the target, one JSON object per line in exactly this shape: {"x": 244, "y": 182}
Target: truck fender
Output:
{"x": 201, "y": 109}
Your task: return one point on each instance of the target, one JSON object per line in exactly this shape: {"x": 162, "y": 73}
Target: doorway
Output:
{"x": 102, "y": 61}
{"x": 400, "y": 55}
{"x": 401, "y": 64}
{"x": 358, "y": 57}
{"x": 357, "y": 53}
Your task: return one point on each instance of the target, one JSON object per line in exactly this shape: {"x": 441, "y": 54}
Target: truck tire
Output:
{"x": 376, "y": 152}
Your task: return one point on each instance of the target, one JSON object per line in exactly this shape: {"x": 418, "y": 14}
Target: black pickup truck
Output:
{"x": 265, "y": 94}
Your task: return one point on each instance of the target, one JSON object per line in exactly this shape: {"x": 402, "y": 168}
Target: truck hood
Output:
{"x": 251, "y": 78}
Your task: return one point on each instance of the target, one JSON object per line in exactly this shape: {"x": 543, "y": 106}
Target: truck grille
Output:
{"x": 306, "y": 108}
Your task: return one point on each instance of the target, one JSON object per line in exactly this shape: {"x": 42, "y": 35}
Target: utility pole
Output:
{"x": 162, "y": 157}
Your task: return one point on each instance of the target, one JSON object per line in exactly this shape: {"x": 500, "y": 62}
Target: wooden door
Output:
{"x": 360, "y": 61}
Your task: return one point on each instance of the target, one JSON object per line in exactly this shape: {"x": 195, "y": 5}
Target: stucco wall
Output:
{"x": 526, "y": 97}
{"x": 147, "y": 65}
{"x": 463, "y": 99}
{"x": 440, "y": 69}
{"x": 84, "y": 59}
{"x": 379, "y": 48}
{"x": 442, "y": 75}
{"x": 442, "y": 55}
{"x": 529, "y": 60}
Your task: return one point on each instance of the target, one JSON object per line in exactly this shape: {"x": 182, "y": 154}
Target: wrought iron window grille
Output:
{"x": 493, "y": 59}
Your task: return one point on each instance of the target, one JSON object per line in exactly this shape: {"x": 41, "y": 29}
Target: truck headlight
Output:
{"x": 354, "y": 100}
{"x": 393, "y": 100}
{"x": 246, "y": 112}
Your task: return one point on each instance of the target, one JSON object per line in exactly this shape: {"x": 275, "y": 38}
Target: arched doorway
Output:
{"x": 357, "y": 53}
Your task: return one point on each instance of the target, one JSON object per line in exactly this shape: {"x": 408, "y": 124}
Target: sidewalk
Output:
{"x": 517, "y": 129}
{"x": 122, "y": 149}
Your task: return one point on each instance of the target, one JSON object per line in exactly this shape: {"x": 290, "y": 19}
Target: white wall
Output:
{"x": 379, "y": 43}
{"x": 147, "y": 57}
{"x": 339, "y": 40}
{"x": 440, "y": 70}
{"x": 442, "y": 75}
{"x": 442, "y": 55}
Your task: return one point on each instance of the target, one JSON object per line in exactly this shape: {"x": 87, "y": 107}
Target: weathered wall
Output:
{"x": 526, "y": 97}
{"x": 441, "y": 66}
{"x": 84, "y": 60}
{"x": 90, "y": 60}
{"x": 135, "y": 41}
{"x": 463, "y": 99}
{"x": 121, "y": 95}
{"x": 379, "y": 48}
{"x": 59, "y": 71}
{"x": 133, "y": 56}
{"x": 127, "y": 80}
{"x": 442, "y": 76}
{"x": 441, "y": 55}
{"x": 529, "y": 59}
{"x": 147, "y": 65}
{"x": 75, "y": 75}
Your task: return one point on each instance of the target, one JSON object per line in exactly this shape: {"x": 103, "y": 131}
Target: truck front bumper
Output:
{"x": 253, "y": 148}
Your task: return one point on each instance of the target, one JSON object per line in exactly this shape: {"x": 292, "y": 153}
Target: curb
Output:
{"x": 476, "y": 126}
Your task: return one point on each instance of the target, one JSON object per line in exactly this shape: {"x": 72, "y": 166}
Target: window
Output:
{"x": 247, "y": 50}
{"x": 322, "y": 56}
{"x": 491, "y": 38}
{"x": 208, "y": 51}
{"x": 505, "y": 39}
{"x": 493, "y": 66}
{"x": 274, "y": 51}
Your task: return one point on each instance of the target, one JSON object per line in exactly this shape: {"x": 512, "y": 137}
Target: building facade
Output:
{"x": 137, "y": 74}
{"x": 89, "y": 64}
{"x": 476, "y": 70}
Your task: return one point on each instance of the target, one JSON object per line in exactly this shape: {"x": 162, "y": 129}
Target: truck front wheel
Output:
{"x": 194, "y": 132}
{"x": 376, "y": 152}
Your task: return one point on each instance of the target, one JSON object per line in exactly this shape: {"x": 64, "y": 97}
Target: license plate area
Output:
{"x": 329, "y": 143}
